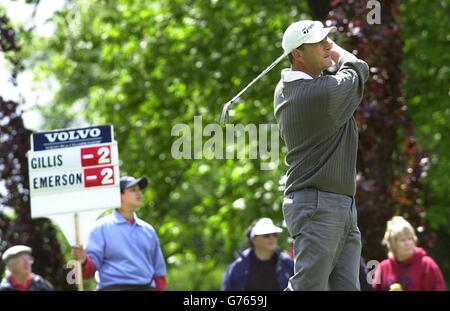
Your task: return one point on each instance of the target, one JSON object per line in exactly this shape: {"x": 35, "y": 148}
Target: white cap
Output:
{"x": 304, "y": 32}
{"x": 12, "y": 252}
{"x": 264, "y": 226}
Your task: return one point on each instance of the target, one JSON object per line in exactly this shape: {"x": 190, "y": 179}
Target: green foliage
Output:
{"x": 426, "y": 66}
{"x": 194, "y": 275}
{"x": 18, "y": 227}
{"x": 427, "y": 69}
{"x": 145, "y": 66}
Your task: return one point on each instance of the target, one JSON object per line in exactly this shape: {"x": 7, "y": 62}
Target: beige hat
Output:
{"x": 14, "y": 251}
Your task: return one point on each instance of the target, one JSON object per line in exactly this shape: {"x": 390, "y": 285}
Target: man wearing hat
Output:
{"x": 122, "y": 248}
{"x": 315, "y": 116}
{"x": 261, "y": 267}
{"x": 19, "y": 276}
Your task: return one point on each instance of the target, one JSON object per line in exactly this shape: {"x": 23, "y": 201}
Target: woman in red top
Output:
{"x": 408, "y": 267}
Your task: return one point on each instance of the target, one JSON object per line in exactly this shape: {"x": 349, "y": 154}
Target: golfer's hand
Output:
{"x": 78, "y": 253}
{"x": 336, "y": 52}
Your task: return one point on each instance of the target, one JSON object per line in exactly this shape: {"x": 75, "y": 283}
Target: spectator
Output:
{"x": 124, "y": 249}
{"x": 261, "y": 267}
{"x": 407, "y": 267}
{"x": 19, "y": 275}
{"x": 366, "y": 286}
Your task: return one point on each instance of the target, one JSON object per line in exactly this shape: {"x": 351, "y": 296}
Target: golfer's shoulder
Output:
{"x": 347, "y": 76}
{"x": 350, "y": 64}
{"x": 305, "y": 87}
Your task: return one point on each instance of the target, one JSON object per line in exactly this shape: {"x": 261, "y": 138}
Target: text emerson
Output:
{"x": 53, "y": 181}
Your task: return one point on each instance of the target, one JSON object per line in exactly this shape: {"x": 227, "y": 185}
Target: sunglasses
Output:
{"x": 269, "y": 235}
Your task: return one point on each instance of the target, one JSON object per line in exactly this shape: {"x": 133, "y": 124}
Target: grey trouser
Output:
{"x": 327, "y": 241}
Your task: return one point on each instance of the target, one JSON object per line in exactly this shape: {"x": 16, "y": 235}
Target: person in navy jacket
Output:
{"x": 262, "y": 266}
{"x": 19, "y": 275}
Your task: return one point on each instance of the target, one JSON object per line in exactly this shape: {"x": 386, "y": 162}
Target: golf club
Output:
{"x": 226, "y": 108}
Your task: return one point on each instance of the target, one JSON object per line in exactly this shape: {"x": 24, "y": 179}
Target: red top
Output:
{"x": 418, "y": 273}
{"x": 20, "y": 287}
{"x": 89, "y": 268}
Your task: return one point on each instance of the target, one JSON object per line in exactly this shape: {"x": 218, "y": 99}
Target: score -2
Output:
{"x": 99, "y": 176}
{"x": 100, "y": 155}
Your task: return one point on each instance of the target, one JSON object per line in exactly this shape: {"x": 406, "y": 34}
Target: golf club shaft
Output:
{"x": 234, "y": 100}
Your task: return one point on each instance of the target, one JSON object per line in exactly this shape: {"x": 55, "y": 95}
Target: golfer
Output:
{"x": 315, "y": 116}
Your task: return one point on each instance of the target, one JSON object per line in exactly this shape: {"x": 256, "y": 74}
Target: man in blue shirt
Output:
{"x": 122, "y": 248}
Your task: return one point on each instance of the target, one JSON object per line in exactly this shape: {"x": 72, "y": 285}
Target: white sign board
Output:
{"x": 74, "y": 171}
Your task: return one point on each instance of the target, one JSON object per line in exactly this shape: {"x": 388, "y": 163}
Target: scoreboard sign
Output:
{"x": 73, "y": 170}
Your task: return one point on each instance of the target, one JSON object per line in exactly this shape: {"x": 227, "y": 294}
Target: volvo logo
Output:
{"x": 73, "y": 135}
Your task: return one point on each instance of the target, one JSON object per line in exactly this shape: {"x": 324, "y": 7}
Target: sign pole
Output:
{"x": 79, "y": 272}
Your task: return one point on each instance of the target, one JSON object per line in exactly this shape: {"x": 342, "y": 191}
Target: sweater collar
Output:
{"x": 288, "y": 75}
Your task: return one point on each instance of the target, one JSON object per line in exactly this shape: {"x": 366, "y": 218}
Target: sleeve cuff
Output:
{"x": 88, "y": 268}
{"x": 346, "y": 58}
{"x": 160, "y": 282}
{"x": 84, "y": 263}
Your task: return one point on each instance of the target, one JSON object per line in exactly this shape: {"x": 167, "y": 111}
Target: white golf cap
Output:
{"x": 302, "y": 32}
{"x": 14, "y": 251}
{"x": 264, "y": 226}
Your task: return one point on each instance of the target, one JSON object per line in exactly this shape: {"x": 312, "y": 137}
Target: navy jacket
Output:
{"x": 38, "y": 284}
{"x": 236, "y": 276}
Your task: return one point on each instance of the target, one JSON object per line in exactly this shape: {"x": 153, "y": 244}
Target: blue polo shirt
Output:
{"x": 125, "y": 253}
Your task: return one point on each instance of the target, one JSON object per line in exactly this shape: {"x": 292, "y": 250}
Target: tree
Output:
{"x": 19, "y": 228}
{"x": 426, "y": 68}
{"x": 390, "y": 164}
{"x": 145, "y": 66}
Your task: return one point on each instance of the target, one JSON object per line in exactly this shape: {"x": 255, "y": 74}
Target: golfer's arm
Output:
{"x": 345, "y": 88}
{"x": 339, "y": 55}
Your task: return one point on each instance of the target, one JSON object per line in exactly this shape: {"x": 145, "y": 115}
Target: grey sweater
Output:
{"x": 315, "y": 117}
